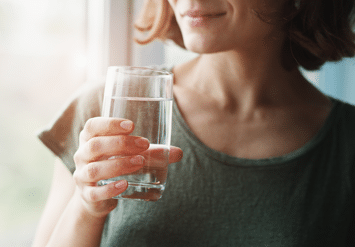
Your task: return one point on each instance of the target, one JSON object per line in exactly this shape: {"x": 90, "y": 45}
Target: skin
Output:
{"x": 236, "y": 97}
{"x": 75, "y": 201}
{"x": 245, "y": 102}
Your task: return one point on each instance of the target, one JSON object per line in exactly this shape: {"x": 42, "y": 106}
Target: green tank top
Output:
{"x": 305, "y": 198}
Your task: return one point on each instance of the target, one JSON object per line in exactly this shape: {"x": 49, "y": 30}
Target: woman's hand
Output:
{"x": 101, "y": 139}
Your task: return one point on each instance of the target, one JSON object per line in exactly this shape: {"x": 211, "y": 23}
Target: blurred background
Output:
{"x": 42, "y": 58}
{"x": 48, "y": 49}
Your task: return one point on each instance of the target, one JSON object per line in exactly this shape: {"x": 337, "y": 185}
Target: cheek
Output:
{"x": 240, "y": 28}
{"x": 269, "y": 8}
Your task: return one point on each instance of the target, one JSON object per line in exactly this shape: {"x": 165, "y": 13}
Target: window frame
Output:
{"x": 110, "y": 38}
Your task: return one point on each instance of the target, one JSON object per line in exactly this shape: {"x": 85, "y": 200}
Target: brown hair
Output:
{"x": 318, "y": 30}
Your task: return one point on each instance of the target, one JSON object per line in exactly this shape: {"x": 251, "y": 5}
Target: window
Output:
{"x": 337, "y": 79}
{"x": 51, "y": 47}
{"x": 42, "y": 58}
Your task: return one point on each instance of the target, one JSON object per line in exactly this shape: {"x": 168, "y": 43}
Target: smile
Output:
{"x": 201, "y": 14}
{"x": 200, "y": 19}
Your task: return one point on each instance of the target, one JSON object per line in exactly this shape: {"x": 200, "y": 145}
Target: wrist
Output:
{"x": 87, "y": 211}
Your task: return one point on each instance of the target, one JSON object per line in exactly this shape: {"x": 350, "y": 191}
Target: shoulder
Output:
{"x": 86, "y": 102}
{"x": 91, "y": 94}
{"x": 345, "y": 115}
{"x": 61, "y": 135}
{"x": 345, "y": 139}
{"x": 343, "y": 131}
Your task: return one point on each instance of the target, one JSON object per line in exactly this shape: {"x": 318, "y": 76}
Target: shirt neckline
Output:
{"x": 287, "y": 158}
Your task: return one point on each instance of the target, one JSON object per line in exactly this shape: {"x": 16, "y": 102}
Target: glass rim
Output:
{"x": 161, "y": 73}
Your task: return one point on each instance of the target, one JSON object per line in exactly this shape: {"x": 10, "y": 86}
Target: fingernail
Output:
{"x": 120, "y": 184}
{"x": 126, "y": 125}
{"x": 136, "y": 160}
{"x": 142, "y": 143}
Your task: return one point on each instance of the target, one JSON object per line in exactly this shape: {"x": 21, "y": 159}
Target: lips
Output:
{"x": 200, "y": 18}
{"x": 202, "y": 14}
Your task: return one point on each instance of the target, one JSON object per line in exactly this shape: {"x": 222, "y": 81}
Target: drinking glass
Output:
{"x": 144, "y": 96}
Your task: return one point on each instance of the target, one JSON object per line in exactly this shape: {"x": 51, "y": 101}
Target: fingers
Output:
{"x": 93, "y": 194}
{"x": 105, "y": 169}
{"x": 100, "y": 126}
{"x": 175, "y": 154}
{"x": 103, "y": 147}
{"x": 156, "y": 156}
{"x": 103, "y": 138}
{"x": 99, "y": 197}
{"x": 110, "y": 168}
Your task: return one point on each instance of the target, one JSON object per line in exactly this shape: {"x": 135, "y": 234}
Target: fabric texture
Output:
{"x": 305, "y": 198}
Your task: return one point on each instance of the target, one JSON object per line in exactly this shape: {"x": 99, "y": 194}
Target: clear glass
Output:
{"x": 144, "y": 96}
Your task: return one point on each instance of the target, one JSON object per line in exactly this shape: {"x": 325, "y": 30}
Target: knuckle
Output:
{"x": 112, "y": 124}
{"x": 89, "y": 125}
{"x": 82, "y": 136}
{"x": 116, "y": 141}
{"x": 92, "y": 171}
{"x": 92, "y": 196}
{"x": 94, "y": 145}
{"x": 121, "y": 140}
{"x": 76, "y": 157}
{"x": 76, "y": 176}
{"x": 109, "y": 191}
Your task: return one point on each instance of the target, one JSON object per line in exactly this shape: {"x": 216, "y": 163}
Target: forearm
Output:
{"x": 77, "y": 227}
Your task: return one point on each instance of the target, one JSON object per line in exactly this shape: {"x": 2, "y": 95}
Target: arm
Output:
{"x": 63, "y": 217}
{"x": 61, "y": 191}
{"x": 76, "y": 210}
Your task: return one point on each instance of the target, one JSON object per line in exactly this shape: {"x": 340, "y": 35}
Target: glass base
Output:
{"x": 139, "y": 191}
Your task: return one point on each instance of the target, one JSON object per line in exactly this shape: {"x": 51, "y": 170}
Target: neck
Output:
{"x": 248, "y": 78}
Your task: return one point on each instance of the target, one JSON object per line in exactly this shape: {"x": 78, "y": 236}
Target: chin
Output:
{"x": 202, "y": 46}
{"x": 206, "y": 42}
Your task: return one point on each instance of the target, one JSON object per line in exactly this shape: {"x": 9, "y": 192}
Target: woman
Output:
{"x": 268, "y": 159}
